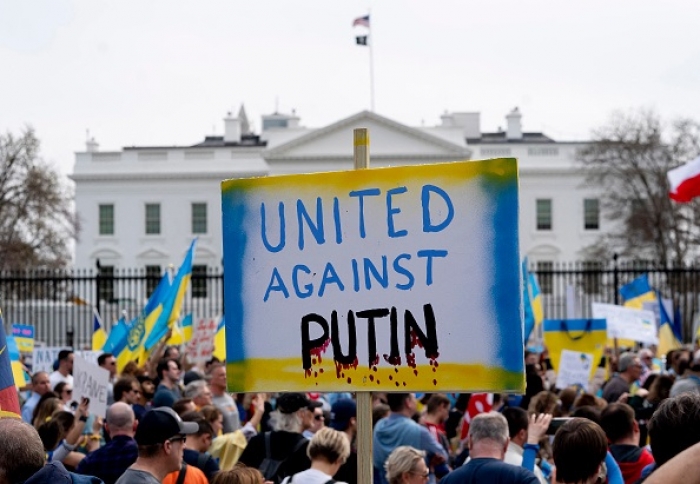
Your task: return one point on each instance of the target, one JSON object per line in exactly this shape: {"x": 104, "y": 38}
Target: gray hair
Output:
{"x": 402, "y": 459}
{"x": 120, "y": 416}
{"x": 626, "y": 360}
{"x": 489, "y": 426}
{"x": 194, "y": 389}
{"x": 22, "y": 451}
{"x": 289, "y": 422}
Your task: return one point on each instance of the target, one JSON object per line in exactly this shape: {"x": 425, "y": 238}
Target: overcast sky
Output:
{"x": 159, "y": 72}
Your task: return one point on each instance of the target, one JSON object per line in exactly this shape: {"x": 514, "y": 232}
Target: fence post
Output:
{"x": 616, "y": 280}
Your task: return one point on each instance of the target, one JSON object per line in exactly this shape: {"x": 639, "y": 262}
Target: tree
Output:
{"x": 37, "y": 223}
{"x": 628, "y": 159}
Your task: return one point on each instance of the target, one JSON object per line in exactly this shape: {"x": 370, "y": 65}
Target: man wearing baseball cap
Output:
{"x": 286, "y": 444}
{"x": 344, "y": 419}
{"x": 160, "y": 437}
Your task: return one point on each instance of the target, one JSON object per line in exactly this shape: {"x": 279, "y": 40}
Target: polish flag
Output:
{"x": 685, "y": 181}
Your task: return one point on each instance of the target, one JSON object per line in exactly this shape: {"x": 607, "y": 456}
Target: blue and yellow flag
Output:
{"x": 669, "y": 333}
{"x": 532, "y": 302}
{"x": 636, "y": 293}
{"x": 99, "y": 335}
{"x": 138, "y": 328}
{"x": 9, "y": 399}
{"x": 116, "y": 341}
{"x": 172, "y": 303}
{"x": 182, "y": 332}
{"x": 220, "y": 340}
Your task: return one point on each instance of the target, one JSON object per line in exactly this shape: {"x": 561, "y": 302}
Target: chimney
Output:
{"x": 91, "y": 145}
{"x": 232, "y": 129}
{"x": 515, "y": 128}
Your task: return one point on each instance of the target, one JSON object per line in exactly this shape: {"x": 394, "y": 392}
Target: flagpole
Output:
{"x": 371, "y": 63}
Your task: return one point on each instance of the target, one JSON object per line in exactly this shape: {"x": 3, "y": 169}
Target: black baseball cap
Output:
{"x": 161, "y": 424}
{"x": 341, "y": 413}
{"x": 291, "y": 402}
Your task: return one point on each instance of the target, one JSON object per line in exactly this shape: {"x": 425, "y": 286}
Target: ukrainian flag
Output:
{"x": 220, "y": 340}
{"x": 532, "y": 302}
{"x": 133, "y": 348}
{"x": 182, "y": 332}
{"x": 637, "y": 292}
{"x": 172, "y": 303}
{"x": 116, "y": 341}
{"x": 99, "y": 335}
{"x": 669, "y": 333}
{"x": 9, "y": 399}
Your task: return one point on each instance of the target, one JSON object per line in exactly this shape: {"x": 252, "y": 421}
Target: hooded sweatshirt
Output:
{"x": 55, "y": 473}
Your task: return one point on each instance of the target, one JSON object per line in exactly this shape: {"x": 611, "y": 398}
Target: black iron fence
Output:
{"x": 59, "y": 304}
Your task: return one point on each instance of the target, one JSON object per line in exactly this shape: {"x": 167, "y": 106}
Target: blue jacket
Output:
{"x": 55, "y": 473}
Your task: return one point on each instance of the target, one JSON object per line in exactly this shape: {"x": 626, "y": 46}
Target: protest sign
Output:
{"x": 43, "y": 357}
{"x": 90, "y": 381}
{"x": 24, "y": 336}
{"x": 627, "y": 323}
{"x": 574, "y": 369}
{"x": 403, "y": 278}
{"x": 90, "y": 356}
{"x": 201, "y": 345}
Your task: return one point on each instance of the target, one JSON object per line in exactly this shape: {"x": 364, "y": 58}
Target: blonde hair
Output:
{"x": 240, "y": 474}
{"x": 402, "y": 459}
{"x": 330, "y": 445}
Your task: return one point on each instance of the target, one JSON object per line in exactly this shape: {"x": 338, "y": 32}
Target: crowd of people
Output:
{"x": 169, "y": 422}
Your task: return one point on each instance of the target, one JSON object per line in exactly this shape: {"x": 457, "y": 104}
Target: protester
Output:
{"x": 111, "y": 461}
{"x": 40, "y": 386}
{"x": 186, "y": 475}
{"x": 399, "y": 429}
{"x": 629, "y": 370}
{"x": 622, "y": 431}
{"x": 168, "y": 390}
{"x": 674, "y": 427}
{"x": 328, "y": 450}
{"x": 520, "y": 436}
{"x": 65, "y": 393}
{"x": 61, "y": 434}
{"x": 197, "y": 445}
{"x": 580, "y": 450}
{"x": 48, "y": 404}
{"x": 148, "y": 390}
{"x": 239, "y": 475}
{"x": 286, "y": 443}
{"x": 161, "y": 440}
{"x": 406, "y": 465}
{"x": 488, "y": 443}
{"x": 222, "y": 400}
{"x": 64, "y": 372}
{"x": 22, "y": 453}
{"x": 108, "y": 362}
{"x": 127, "y": 390}
{"x": 344, "y": 419}
{"x": 318, "y": 422}
{"x": 690, "y": 380}
{"x": 199, "y": 392}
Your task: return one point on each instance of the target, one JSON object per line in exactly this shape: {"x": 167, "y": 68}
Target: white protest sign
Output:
{"x": 90, "y": 381}
{"x": 90, "y": 356}
{"x": 627, "y": 323}
{"x": 201, "y": 346}
{"x": 574, "y": 369}
{"x": 44, "y": 356}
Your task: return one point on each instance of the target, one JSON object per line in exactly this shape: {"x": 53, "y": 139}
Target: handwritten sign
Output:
{"x": 43, "y": 357}
{"x": 402, "y": 278}
{"x": 90, "y": 381}
{"x": 201, "y": 346}
{"x": 89, "y": 356}
{"x": 24, "y": 336}
{"x": 574, "y": 369}
{"x": 626, "y": 323}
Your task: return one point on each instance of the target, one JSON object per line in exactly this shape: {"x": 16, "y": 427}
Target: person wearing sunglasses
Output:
{"x": 160, "y": 438}
{"x": 317, "y": 423}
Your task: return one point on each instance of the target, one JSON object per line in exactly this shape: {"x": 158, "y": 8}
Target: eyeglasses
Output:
{"x": 177, "y": 438}
{"x": 68, "y": 391}
{"x": 318, "y": 417}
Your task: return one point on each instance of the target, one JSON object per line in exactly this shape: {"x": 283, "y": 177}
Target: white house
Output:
{"x": 141, "y": 206}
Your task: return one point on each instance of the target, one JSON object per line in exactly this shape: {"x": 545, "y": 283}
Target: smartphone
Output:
{"x": 73, "y": 405}
{"x": 555, "y": 424}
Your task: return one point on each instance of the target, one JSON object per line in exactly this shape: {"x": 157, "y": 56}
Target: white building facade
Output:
{"x": 141, "y": 206}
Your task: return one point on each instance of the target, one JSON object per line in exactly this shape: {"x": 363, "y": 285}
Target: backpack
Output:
{"x": 269, "y": 467}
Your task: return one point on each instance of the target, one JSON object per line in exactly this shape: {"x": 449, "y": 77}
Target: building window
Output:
{"x": 543, "y": 151}
{"x": 153, "y": 218}
{"x": 544, "y": 214}
{"x": 105, "y": 283}
{"x": 153, "y": 275}
{"x": 199, "y": 281}
{"x": 591, "y": 214}
{"x": 545, "y": 276}
{"x": 495, "y": 152}
{"x": 106, "y": 213}
{"x": 199, "y": 218}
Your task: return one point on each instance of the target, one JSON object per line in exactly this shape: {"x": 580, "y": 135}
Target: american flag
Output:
{"x": 364, "y": 21}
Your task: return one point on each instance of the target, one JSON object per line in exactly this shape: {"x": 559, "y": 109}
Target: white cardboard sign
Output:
{"x": 90, "y": 381}
{"x": 574, "y": 369}
{"x": 626, "y": 323}
{"x": 44, "y": 356}
{"x": 201, "y": 346}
